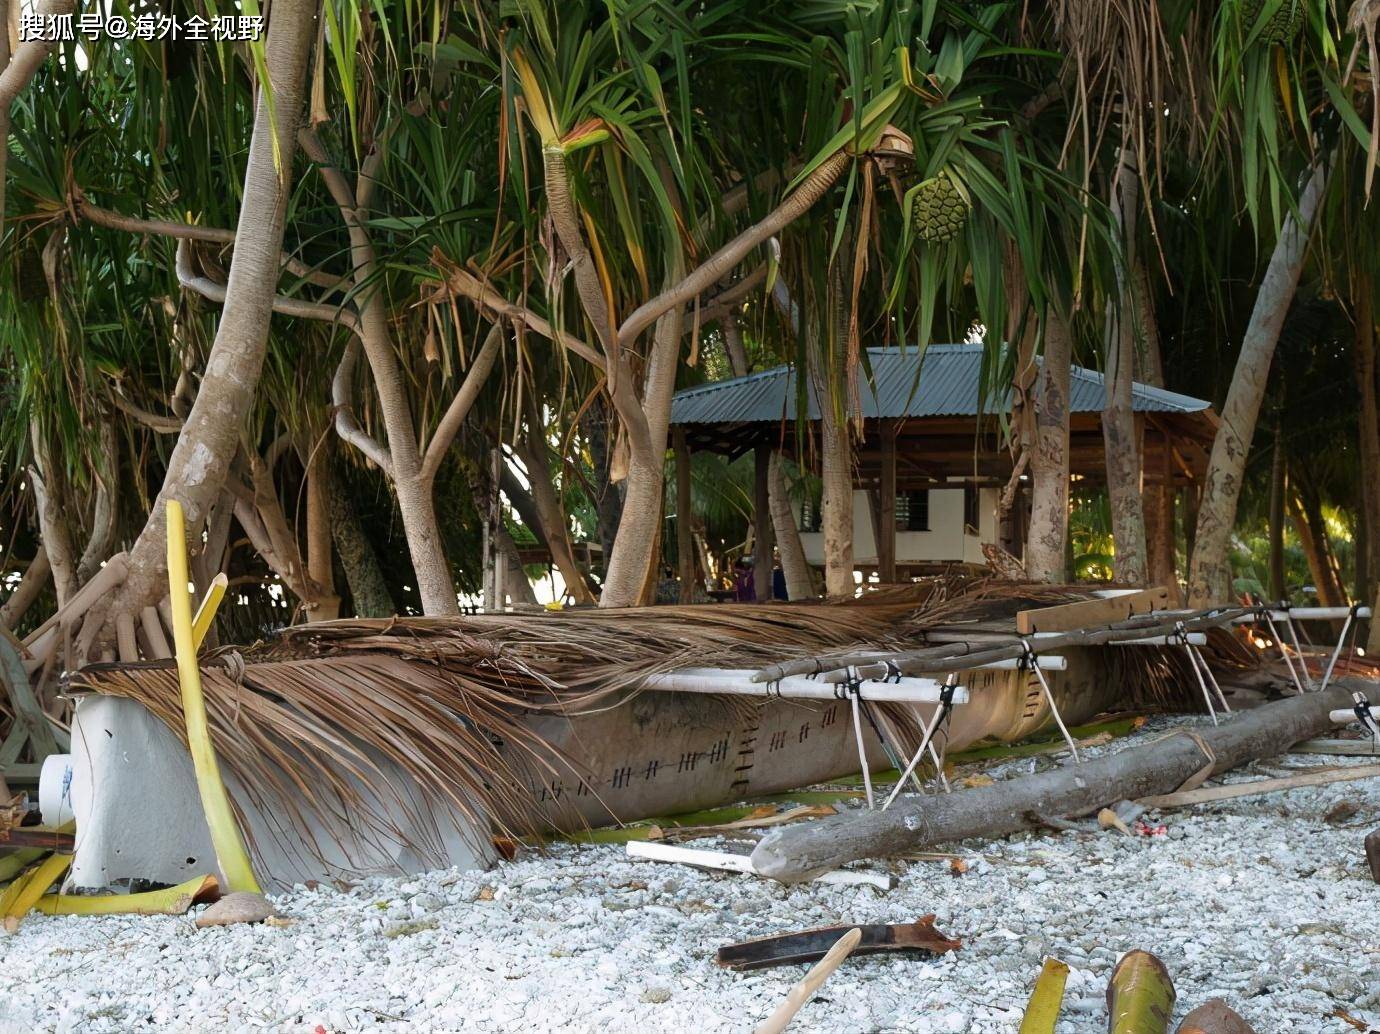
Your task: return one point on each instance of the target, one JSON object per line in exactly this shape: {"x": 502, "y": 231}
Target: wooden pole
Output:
{"x": 805, "y": 990}
{"x": 761, "y": 523}
{"x": 886, "y": 518}
{"x": 685, "y": 544}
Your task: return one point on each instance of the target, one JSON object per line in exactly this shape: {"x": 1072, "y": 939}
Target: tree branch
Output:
{"x": 161, "y": 424}
{"x": 301, "y": 308}
{"x": 491, "y": 302}
{"x": 342, "y": 387}
{"x": 461, "y": 404}
{"x": 187, "y": 231}
{"x": 721, "y": 263}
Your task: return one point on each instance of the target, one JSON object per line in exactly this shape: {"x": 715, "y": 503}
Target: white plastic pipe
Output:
{"x": 1047, "y": 661}
{"x": 1192, "y": 639}
{"x": 738, "y": 682}
{"x": 1306, "y": 614}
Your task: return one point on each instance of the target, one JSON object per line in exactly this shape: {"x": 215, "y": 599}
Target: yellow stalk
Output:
{"x": 168, "y": 901}
{"x": 18, "y": 861}
{"x": 1043, "y": 1011}
{"x": 215, "y": 802}
{"x": 206, "y": 613}
{"x": 24, "y": 892}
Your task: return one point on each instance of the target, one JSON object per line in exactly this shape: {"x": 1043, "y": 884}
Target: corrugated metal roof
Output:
{"x": 946, "y": 384}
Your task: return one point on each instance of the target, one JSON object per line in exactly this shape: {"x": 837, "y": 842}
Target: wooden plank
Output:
{"x": 1091, "y": 613}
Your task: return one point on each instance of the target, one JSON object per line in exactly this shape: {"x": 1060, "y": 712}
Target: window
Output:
{"x": 913, "y": 511}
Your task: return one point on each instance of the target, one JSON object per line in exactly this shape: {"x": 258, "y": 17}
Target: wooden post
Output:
{"x": 685, "y": 543}
{"x": 886, "y": 518}
{"x": 761, "y": 523}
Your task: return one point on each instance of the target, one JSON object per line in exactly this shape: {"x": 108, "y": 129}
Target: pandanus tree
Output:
{"x": 1281, "y": 75}
{"x": 605, "y": 94}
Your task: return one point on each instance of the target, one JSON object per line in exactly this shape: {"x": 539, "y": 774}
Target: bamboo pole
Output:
{"x": 206, "y": 612}
{"x": 23, "y": 893}
{"x": 220, "y": 818}
{"x": 805, "y": 990}
{"x": 1045, "y": 1001}
{"x": 168, "y": 901}
{"x": 1140, "y": 996}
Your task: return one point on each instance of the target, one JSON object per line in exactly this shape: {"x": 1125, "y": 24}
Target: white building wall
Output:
{"x": 946, "y": 541}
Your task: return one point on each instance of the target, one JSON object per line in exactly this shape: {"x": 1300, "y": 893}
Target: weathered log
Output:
{"x": 1140, "y": 995}
{"x": 1163, "y": 766}
{"x": 1214, "y": 1017}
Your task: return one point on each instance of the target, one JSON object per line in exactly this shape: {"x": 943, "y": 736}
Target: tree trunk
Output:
{"x": 632, "y": 567}
{"x": 1306, "y": 513}
{"x": 1120, "y": 432}
{"x": 517, "y": 587}
{"x": 369, "y": 591}
{"x": 836, "y": 506}
{"x": 608, "y": 497}
{"x": 1047, "y": 545}
{"x": 1160, "y": 559}
{"x": 685, "y": 520}
{"x": 320, "y": 569}
{"x": 1279, "y": 589}
{"x": 763, "y": 549}
{"x": 800, "y": 579}
{"x": 1210, "y": 572}
{"x": 554, "y": 526}
{"x": 919, "y": 823}
{"x": 210, "y": 436}
{"x": 53, "y": 529}
{"x": 30, "y": 586}
{"x": 1368, "y": 421}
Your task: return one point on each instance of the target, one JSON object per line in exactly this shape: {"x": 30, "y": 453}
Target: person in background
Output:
{"x": 778, "y": 581}
{"x": 743, "y": 589}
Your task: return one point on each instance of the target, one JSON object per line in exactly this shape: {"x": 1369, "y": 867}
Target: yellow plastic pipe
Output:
{"x": 206, "y": 613}
{"x": 215, "y": 802}
{"x": 24, "y": 892}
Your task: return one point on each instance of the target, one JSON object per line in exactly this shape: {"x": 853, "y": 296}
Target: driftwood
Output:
{"x": 1160, "y": 767}
{"x": 805, "y": 990}
{"x": 1259, "y": 786}
{"x": 812, "y": 945}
